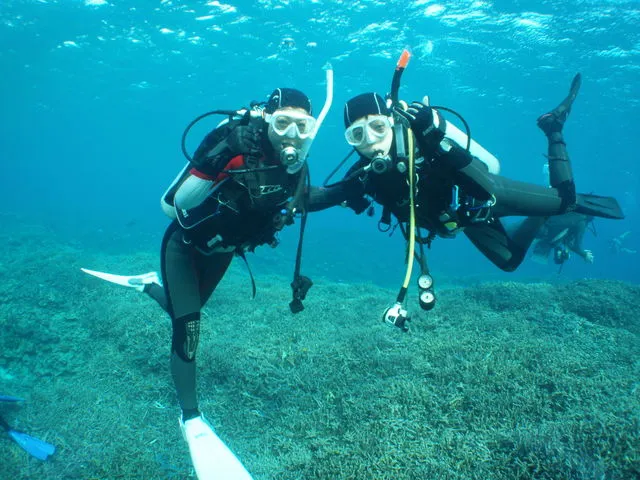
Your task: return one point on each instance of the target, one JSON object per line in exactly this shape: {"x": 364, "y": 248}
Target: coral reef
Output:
{"x": 500, "y": 381}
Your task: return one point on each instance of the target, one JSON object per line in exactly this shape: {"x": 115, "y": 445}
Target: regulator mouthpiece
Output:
{"x": 381, "y": 163}
{"x": 289, "y": 156}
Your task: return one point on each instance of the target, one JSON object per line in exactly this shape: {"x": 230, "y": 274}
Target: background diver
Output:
{"x": 562, "y": 234}
{"x": 245, "y": 182}
{"x": 616, "y": 244}
{"x": 411, "y": 164}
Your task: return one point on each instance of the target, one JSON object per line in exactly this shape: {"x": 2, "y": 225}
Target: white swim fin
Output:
{"x": 211, "y": 458}
{"x": 134, "y": 281}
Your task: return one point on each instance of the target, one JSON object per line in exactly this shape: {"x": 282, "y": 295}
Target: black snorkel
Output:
{"x": 403, "y": 61}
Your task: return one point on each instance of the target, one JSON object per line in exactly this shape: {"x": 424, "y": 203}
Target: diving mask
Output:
{"x": 291, "y": 124}
{"x": 368, "y": 130}
{"x": 291, "y": 132}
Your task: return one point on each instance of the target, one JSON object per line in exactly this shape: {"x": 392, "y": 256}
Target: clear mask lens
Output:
{"x": 292, "y": 124}
{"x": 370, "y": 129}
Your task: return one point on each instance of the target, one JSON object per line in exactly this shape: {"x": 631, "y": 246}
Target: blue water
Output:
{"x": 95, "y": 96}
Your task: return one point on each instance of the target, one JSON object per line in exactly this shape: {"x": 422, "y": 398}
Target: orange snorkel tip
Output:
{"x": 403, "y": 61}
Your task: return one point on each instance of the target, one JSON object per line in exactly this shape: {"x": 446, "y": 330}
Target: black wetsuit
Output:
{"x": 455, "y": 192}
{"x": 244, "y": 211}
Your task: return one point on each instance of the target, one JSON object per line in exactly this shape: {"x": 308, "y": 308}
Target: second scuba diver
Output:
{"x": 421, "y": 170}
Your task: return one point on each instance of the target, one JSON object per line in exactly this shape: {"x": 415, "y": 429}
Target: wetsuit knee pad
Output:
{"x": 186, "y": 333}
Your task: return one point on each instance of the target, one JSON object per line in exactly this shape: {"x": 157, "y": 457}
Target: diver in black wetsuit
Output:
{"x": 246, "y": 181}
{"x": 453, "y": 190}
{"x": 562, "y": 234}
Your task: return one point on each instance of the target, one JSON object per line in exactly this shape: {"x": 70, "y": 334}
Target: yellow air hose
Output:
{"x": 412, "y": 219}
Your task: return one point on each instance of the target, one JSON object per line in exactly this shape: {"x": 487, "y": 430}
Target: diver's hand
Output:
{"x": 588, "y": 256}
{"x": 243, "y": 139}
{"x": 420, "y": 118}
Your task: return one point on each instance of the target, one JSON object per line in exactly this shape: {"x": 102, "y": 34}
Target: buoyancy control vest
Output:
{"x": 444, "y": 205}
{"x": 246, "y": 205}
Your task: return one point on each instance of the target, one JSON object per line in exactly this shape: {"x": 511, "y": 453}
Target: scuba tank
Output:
{"x": 456, "y": 135}
{"x": 167, "y": 199}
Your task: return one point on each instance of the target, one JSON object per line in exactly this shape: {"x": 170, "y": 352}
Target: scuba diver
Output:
{"x": 246, "y": 181}
{"x": 562, "y": 234}
{"x": 616, "y": 244}
{"x": 429, "y": 175}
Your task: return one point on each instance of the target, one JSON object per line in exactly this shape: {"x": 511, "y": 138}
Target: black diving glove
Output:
{"x": 244, "y": 139}
{"x": 358, "y": 204}
{"x": 420, "y": 118}
{"x": 224, "y": 143}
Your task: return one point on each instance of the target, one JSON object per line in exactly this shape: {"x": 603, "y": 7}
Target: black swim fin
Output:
{"x": 492, "y": 241}
{"x": 597, "y": 206}
{"x": 34, "y": 446}
{"x": 554, "y": 120}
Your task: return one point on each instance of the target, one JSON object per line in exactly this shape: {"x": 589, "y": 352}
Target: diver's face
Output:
{"x": 289, "y": 126}
{"x": 371, "y": 135}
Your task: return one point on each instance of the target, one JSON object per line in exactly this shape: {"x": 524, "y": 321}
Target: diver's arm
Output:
{"x": 222, "y": 144}
{"x": 575, "y": 245}
{"x": 213, "y": 153}
{"x": 193, "y": 191}
{"x": 587, "y": 255}
{"x": 209, "y": 159}
{"x": 349, "y": 192}
{"x": 321, "y": 198}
